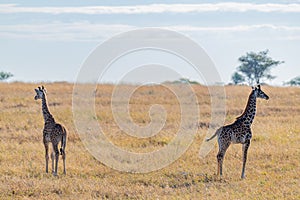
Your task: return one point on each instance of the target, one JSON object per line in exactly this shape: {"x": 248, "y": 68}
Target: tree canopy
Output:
{"x": 255, "y": 67}
{"x": 237, "y": 78}
{"x": 294, "y": 81}
{"x": 5, "y": 75}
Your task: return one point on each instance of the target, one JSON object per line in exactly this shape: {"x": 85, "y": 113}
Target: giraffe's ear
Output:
{"x": 44, "y": 89}
{"x": 258, "y": 86}
{"x": 36, "y": 90}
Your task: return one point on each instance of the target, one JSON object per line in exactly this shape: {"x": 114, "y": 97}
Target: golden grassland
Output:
{"x": 272, "y": 171}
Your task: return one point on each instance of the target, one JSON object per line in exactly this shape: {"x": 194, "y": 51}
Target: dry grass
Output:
{"x": 273, "y": 163}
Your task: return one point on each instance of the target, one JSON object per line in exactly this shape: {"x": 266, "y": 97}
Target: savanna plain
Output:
{"x": 272, "y": 170}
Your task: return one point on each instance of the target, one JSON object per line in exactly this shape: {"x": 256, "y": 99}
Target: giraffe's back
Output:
{"x": 237, "y": 132}
{"x": 54, "y": 132}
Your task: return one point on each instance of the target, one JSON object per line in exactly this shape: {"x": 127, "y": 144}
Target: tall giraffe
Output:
{"x": 239, "y": 132}
{"x": 53, "y": 132}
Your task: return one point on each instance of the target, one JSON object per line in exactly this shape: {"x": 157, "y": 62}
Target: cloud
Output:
{"x": 237, "y": 28}
{"x": 86, "y": 31}
{"x": 57, "y": 31}
{"x": 156, "y": 8}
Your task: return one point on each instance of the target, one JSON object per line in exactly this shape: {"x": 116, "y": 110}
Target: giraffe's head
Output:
{"x": 259, "y": 93}
{"x": 40, "y": 93}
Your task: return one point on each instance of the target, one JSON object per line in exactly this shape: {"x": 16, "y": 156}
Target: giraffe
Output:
{"x": 238, "y": 132}
{"x": 52, "y": 132}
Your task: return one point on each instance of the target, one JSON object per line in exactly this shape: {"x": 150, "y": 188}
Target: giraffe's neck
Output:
{"x": 249, "y": 113}
{"x": 46, "y": 113}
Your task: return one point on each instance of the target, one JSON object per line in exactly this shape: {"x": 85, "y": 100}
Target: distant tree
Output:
{"x": 5, "y": 75}
{"x": 237, "y": 78}
{"x": 185, "y": 80}
{"x": 257, "y": 66}
{"x": 294, "y": 81}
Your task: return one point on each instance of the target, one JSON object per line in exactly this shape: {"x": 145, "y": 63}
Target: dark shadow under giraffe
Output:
{"x": 239, "y": 132}
{"x": 53, "y": 132}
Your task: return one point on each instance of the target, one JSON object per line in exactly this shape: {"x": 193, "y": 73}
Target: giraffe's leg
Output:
{"x": 55, "y": 149}
{"x": 220, "y": 156}
{"x": 46, "y": 144}
{"x": 52, "y": 159}
{"x": 64, "y": 161}
{"x": 245, "y": 150}
{"x": 219, "y": 162}
{"x": 62, "y": 149}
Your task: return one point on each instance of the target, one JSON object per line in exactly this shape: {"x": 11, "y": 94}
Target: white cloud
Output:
{"x": 238, "y": 28}
{"x": 85, "y": 31}
{"x": 81, "y": 31}
{"x": 156, "y": 8}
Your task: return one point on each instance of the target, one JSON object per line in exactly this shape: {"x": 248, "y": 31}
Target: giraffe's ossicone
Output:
{"x": 52, "y": 133}
{"x": 239, "y": 132}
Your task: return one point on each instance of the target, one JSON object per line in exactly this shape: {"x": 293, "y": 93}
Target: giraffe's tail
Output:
{"x": 63, "y": 142}
{"x": 216, "y": 133}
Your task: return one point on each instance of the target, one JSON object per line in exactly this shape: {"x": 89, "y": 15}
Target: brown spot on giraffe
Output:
{"x": 53, "y": 132}
{"x": 239, "y": 132}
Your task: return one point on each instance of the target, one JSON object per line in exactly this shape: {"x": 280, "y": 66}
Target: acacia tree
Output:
{"x": 294, "y": 81}
{"x": 237, "y": 78}
{"x": 5, "y": 75}
{"x": 257, "y": 66}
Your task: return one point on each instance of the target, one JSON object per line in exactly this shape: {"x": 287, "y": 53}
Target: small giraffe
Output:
{"x": 239, "y": 132}
{"x": 53, "y": 132}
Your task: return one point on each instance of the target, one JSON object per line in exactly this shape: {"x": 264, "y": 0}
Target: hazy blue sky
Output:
{"x": 49, "y": 40}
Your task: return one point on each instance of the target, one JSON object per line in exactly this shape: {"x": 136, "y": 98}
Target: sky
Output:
{"x": 45, "y": 41}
